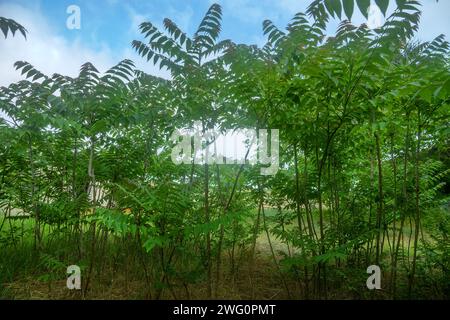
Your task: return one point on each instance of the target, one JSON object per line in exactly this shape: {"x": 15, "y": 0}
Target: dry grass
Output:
{"x": 258, "y": 280}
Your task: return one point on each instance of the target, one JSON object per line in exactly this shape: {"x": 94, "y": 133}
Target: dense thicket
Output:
{"x": 86, "y": 175}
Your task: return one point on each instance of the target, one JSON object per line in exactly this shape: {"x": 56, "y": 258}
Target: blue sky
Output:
{"x": 109, "y": 26}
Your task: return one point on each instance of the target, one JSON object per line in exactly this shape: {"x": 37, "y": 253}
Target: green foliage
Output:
{"x": 363, "y": 177}
{"x": 9, "y": 25}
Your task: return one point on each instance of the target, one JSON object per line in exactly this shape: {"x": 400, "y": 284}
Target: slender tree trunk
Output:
{"x": 403, "y": 211}
{"x": 37, "y": 225}
{"x": 207, "y": 219}
{"x": 221, "y": 232}
{"x": 271, "y": 246}
{"x": 92, "y": 189}
{"x": 394, "y": 226}
{"x": 297, "y": 191}
{"x": 252, "y": 252}
{"x": 380, "y": 217}
{"x": 417, "y": 207}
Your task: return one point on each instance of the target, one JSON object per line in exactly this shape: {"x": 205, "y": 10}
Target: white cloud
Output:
{"x": 435, "y": 20}
{"x": 45, "y": 50}
{"x": 292, "y": 7}
{"x": 244, "y": 10}
{"x": 136, "y": 19}
{"x": 51, "y": 53}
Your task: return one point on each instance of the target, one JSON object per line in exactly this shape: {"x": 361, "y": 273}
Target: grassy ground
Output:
{"x": 25, "y": 275}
